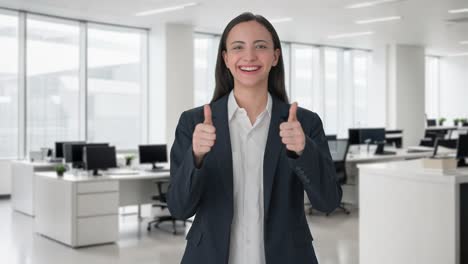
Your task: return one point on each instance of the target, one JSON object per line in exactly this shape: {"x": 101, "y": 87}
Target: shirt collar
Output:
{"x": 233, "y": 106}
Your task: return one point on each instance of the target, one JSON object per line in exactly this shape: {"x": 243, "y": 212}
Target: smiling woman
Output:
{"x": 242, "y": 163}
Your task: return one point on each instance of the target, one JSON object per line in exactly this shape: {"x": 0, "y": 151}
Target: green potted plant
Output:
{"x": 464, "y": 121}
{"x": 60, "y": 169}
{"x": 441, "y": 121}
{"x": 128, "y": 159}
{"x": 456, "y": 121}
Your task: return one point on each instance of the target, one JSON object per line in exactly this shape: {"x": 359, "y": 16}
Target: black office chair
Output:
{"x": 339, "y": 151}
{"x": 161, "y": 202}
{"x": 430, "y": 137}
{"x": 396, "y": 138}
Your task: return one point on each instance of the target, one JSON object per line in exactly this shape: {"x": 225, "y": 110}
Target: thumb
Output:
{"x": 207, "y": 114}
{"x": 293, "y": 112}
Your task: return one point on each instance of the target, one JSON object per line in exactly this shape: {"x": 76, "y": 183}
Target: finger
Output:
{"x": 293, "y": 112}
{"x": 207, "y": 136}
{"x": 290, "y": 125}
{"x": 206, "y": 128}
{"x": 202, "y": 149}
{"x": 289, "y": 140}
{"x": 207, "y": 114}
{"x": 205, "y": 142}
{"x": 293, "y": 147}
{"x": 290, "y": 133}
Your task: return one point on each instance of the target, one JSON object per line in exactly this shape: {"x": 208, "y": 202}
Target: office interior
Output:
{"x": 96, "y": 88}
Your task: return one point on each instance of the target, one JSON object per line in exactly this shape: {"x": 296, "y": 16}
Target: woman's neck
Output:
{"x": 253, "y": 100}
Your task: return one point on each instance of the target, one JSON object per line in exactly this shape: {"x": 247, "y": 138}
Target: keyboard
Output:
{"x": 386, "y": 153}
{"x": 416, "y": 149}
{"x": 122, "y": 172}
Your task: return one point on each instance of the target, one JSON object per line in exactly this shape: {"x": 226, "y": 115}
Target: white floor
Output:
{"x": 336, "y": 241}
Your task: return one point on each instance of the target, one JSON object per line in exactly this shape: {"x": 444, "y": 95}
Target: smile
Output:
{"x": 249, "y": 68}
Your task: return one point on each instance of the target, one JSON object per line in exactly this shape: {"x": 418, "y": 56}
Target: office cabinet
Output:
{"x": 77, "y": 213}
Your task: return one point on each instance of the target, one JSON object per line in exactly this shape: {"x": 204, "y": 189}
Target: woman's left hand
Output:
{"x": 291, "y": 132}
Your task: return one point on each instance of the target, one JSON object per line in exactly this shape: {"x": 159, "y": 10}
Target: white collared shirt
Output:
{"x": 248, "y": 147}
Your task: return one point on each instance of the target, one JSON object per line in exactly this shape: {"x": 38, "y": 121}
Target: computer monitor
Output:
{"x": 99, "y": 158}
{"x": 462, "y": 150}
{"x": 59, "y": 153}
{"x": 73, "y": 152}
{"x": 372, "y": 135}
{"x": 354, "y": 136}
{"x": 152, "y": 154}
{"x": 447, "y": 143}
{"x": 431, "y": 122}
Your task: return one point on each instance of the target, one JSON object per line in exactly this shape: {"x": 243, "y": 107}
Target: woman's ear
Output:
{"x": 276, "y": 55}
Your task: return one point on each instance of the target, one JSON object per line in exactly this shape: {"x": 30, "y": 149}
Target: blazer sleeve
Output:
{"x": 316, "y": 170}
{"x": 187, "y": 182}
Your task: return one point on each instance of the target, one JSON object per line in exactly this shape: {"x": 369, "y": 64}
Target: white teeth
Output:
{"x": 249, "y": 68}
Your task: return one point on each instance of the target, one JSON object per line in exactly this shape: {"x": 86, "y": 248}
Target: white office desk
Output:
{"x": 361, "y": 156}
{"x": 83, "y": 210}
{"x": 22, "y": 173}
{"x": 409, "y": 214}
{"x": 369, "y": 157}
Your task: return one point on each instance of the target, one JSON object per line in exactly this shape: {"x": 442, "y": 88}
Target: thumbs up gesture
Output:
{"x": 291, "y": 132}
{"x": 204, "y": 136}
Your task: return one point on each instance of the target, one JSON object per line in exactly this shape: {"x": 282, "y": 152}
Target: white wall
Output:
{"x": 377, "y": 87}
{"x": 453, "y": 88}
{"x": 171, "y": 79}
{"x": 406, "y": 94}
{"x": 179, "y": 75}
{"x": 157, "y": 85}
{"x": 5, "y": 177}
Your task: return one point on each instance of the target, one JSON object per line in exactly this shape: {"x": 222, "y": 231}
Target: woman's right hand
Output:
{"x": 204, "y": 137}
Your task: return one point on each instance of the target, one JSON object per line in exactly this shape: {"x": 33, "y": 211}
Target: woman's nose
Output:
{"x": 250, "y": 54}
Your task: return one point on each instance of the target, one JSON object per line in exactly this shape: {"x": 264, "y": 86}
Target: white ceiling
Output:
{"x": 424, "y": 21}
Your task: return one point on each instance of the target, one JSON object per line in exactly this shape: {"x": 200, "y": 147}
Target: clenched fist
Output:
{"x": 204, "y": 137}
{"x": 291, "y": 132}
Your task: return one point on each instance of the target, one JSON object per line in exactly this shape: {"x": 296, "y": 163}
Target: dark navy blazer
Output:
{"x": 208, "y": 191}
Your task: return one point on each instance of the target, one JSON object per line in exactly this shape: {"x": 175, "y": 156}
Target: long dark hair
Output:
{"x": 224, "y": 79}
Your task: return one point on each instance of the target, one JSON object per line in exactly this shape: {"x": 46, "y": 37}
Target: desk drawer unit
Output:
{"x": 97, "y": 230}
{"x": 97, "y": 204}
{"x": 97, "y": 207}
{"x": 96, "y": 187}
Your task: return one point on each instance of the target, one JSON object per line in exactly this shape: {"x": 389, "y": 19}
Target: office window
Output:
{"x": 205, "y": 52}
{"x": 8, "y": 85}
{"x": 330, "y": 120}
{"x": 286, "y": 53}
{"x": 305, "y": 88}
{"x": 115, "y": 98}
{"x": 432, "y": 87}
{"x": 52, "y": 100}
{"x": 361, "y": 62}
{"x": 346, "y": 105}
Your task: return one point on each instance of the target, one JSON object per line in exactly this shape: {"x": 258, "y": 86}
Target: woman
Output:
{"x": 242, "y": 163}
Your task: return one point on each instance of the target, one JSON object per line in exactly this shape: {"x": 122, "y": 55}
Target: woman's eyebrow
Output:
{"x": 242, "y": 42}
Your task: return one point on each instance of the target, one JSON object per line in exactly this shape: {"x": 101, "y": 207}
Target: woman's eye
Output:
{"x": 261, "y": 47}
{"x": 237, "y": 47}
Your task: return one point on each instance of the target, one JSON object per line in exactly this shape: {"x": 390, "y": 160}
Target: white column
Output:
{"x": 171, "y": 79}
{"x": 377, "y": 87}
{"x": 179, "y": 72}
{"x": 405, "y": 93}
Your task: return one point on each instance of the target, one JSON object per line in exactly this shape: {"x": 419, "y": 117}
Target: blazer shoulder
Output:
{"x": 305, "y": 115}
{"x": 192, "y": 116}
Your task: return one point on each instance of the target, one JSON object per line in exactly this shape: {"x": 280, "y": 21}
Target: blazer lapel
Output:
{"x": 273, "y": 149}
{"x": 222, "y": 148}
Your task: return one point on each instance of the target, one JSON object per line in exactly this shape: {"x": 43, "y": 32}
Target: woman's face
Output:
{"x": 250, "y": 54}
